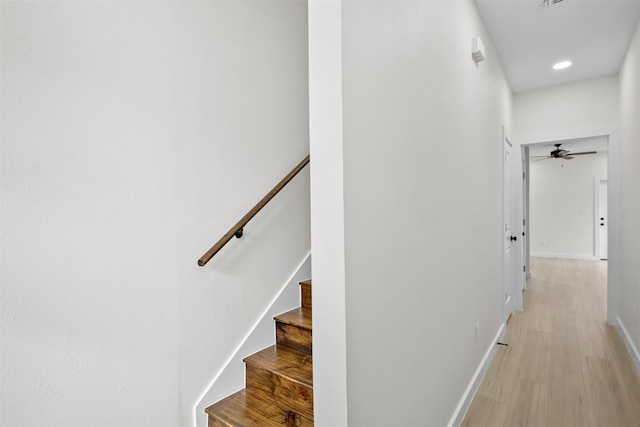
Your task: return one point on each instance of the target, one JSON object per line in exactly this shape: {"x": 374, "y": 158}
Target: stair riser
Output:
{"x": 298, "y": 421}
{"x": 257, "y": 410}
{"x": 305, "y": 295}
{"x": 287, "y": 394}
{"x": 294, "y": 336}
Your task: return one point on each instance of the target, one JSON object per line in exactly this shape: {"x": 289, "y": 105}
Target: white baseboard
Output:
{"x": 567, "y": 256}
{"x": 472, "y": 388}
{"x": 628, "y": 342}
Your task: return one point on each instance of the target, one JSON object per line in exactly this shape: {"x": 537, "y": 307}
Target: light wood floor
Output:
{"x": 564, "y": 365}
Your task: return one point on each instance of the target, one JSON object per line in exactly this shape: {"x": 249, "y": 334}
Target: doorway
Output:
{"x": 528, "y": 143}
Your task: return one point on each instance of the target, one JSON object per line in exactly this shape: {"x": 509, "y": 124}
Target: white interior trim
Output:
{"x": 472, "y": 388}
{"x": 596, "y": 210}
{"x": 596, "y": 213}
{"x": 566, "y": 256}
{"x": 633, "y": 351}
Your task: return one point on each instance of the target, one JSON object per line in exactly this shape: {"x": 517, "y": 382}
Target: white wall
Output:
{"x": 327, "y": 213}
{"x": 590, "y": 104}
{"x": 133, "y": 135}
{"x": 629, "y": 200}
{"x": 422, "y": 207}
{"x": 562, "y": 205}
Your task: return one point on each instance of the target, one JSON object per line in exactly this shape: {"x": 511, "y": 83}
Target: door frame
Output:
{"x": 596, "y": 223}
{"x": 524, "y": 195}
{"x": 613, "y": 203}
{"x": 517, "y": 276}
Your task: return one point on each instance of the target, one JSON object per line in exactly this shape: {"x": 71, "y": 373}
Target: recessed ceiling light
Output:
{"x": 562, "y": 65}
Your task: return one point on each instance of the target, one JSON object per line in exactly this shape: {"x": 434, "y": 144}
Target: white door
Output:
{"x": 509, "y": 236}
{"x": 602, "y": 219}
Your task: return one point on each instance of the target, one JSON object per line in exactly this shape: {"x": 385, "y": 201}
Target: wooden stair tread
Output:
{"x": 278, "y": 379}
{"x": 285, "y": 361}
{"x": 248, "y": 408}
{"x": 298, "y": 316}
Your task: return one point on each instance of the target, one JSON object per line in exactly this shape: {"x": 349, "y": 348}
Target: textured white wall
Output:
{"x": 133, "y": 135}
{"x": 629, "y": 200}
{"x": 562, "y": 205}
{"x": 423, "y": 207}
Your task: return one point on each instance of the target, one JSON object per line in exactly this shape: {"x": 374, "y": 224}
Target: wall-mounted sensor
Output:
{"x": 477, "y": 49}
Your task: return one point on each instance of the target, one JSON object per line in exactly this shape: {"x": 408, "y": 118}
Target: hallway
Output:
{"x": 563, "y": 366}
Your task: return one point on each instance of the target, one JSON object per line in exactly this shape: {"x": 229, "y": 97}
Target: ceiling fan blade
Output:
{"x": 543, "y": 158}
{"x": 583, "y": 152}
{"x": 567, "y": 157}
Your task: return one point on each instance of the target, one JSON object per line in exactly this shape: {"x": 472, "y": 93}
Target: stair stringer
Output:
{"x": 231, "y": 377}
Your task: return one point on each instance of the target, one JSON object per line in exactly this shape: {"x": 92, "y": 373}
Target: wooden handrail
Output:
{"x": 236, "y": 230}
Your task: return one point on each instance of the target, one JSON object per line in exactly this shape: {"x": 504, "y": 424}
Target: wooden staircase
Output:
{"x": 279, "y": 379}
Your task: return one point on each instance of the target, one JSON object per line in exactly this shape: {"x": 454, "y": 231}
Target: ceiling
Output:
{"x": 530, "y": 37}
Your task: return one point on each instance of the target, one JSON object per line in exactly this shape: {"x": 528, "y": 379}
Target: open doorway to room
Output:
{"x": 565, "y": 212}
{"x": 566, "y": 202}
